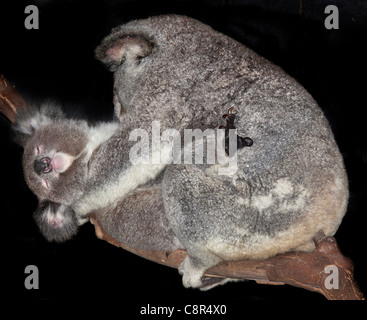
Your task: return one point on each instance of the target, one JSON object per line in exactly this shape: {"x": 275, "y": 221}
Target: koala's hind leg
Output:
{"x": 198, "y": 208}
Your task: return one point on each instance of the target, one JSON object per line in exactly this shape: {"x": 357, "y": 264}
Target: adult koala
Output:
{"x": 290, "y": 184}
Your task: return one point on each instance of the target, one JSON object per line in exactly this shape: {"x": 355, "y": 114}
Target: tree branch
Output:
{"x": 10, "y": 100}
{"x": 299, "y": 269}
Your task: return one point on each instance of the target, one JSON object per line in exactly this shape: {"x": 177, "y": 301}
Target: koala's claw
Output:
{"x": 211, "y": 282}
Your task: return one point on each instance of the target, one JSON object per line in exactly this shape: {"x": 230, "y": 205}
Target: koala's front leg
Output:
{"x": 56, "y": 222}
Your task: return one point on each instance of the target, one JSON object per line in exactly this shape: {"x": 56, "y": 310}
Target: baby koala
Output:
{"x": 55, "y": 163}
{"x": 288, "y": 184}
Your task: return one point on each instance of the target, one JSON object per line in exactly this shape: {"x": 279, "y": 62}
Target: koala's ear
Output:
{"x": 29, "y": 120}
{"x": 117, "y": 48}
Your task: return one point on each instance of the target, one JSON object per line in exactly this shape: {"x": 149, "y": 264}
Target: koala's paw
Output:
{"x": 191, "y": 276}
{"x": 56, "y": 222}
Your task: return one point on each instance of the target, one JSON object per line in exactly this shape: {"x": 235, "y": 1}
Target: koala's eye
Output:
{"x": 139, "y": 59}
{"x": 38, "y": 150}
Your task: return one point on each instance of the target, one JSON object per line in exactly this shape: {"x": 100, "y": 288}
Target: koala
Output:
{"x": 288, "y": 184}
{"x": 55, "y": 164}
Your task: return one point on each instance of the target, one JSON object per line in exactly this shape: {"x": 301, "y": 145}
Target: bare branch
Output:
{"x": 10, "y": 100}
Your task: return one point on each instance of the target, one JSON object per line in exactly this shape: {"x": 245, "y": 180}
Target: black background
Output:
{"x": 57, "y": 62}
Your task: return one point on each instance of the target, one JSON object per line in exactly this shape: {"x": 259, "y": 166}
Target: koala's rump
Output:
{"x": 257, "y": 216}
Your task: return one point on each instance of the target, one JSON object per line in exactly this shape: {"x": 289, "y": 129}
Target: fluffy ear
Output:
{"x": 117, "y": 48}
{"x": 29, "y": 120}
{"x": 56, "y": 222}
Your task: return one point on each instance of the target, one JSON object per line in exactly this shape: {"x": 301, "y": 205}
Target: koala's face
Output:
{"x": 53, "y": 162}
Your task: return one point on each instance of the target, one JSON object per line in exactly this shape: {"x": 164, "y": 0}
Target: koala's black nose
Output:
{"x": 42, "y": 166}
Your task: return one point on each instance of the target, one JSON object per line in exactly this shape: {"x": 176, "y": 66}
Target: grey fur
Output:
{"x": 290, "y": 184}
